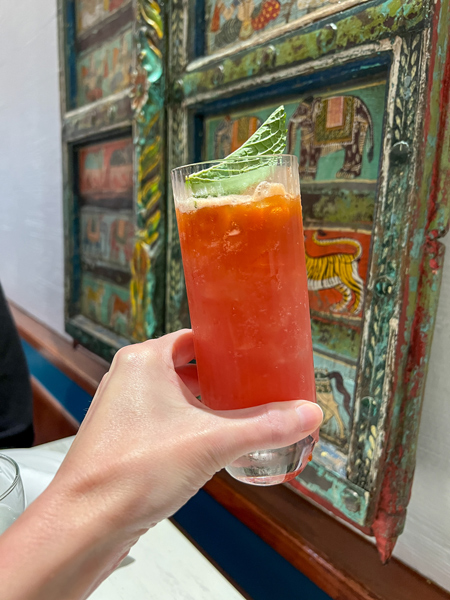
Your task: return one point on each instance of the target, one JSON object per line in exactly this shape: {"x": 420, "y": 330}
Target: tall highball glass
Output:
{"x": 242, "y": 246}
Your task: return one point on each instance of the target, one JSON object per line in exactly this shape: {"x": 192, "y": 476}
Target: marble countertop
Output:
{"x": 163, "y": 565}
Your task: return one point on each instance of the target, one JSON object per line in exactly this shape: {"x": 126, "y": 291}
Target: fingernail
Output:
{"x": 311, "y": 415}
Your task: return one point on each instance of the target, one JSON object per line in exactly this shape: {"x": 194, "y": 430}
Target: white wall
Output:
{"x": 31, "y": 222}
{"x": 31, "y": 256}
{"x": 425, "y": 543}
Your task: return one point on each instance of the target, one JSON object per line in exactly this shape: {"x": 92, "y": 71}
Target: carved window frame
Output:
{"x": 375, "y": 493}
{"x": 139, "y": 111}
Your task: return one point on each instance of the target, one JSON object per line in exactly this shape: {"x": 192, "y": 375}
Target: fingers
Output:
{"x": 263, "y": 427}
{"x": 188, "y": 375}
{"x": 171, "y": 352}
{"x": 178, "y": 351}
{"x": 182, "y": 347}
{"x": 176, "y": 348}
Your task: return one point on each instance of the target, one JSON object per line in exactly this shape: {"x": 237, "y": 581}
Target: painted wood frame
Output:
{"x": 112, "y": 101}
{"x": 406, "y": 42}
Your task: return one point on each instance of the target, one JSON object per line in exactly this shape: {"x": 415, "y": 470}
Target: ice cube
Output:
{"x": 235, "y": 231}
{"x": 266, "y": 189}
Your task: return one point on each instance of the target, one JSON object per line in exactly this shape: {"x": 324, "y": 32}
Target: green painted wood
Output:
{"x": 115, "y": 277}
{"x": 360, "y": 25}
{"x": 368, "y": 482}
{"x": 400, "y": 203}
{"x": 424, "y": 260}
{"x": 148, "y": 262}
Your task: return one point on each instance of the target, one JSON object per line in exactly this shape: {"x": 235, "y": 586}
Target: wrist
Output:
{"x": 67, "y": 542}
{"x": 107, "y": 493}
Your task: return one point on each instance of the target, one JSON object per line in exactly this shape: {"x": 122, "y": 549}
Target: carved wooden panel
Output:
{"x": 91, "y": 13}
{"x": 337, "y": 137}
{"x": 231, "y": 22}
{"x": 365, "y": 85}
{"x": 107, "y": 228}
{"x": 358, "y": 88}
{"x": 112, "y": 91}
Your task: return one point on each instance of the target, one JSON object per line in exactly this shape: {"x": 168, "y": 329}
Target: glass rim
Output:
{"x": 234, "y": 159}
{"x": 16, "y": 477}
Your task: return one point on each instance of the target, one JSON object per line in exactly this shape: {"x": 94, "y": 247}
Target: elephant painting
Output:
{"x": 328, "y": 125}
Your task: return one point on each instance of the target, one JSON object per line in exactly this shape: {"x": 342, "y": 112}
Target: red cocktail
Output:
{"x": 244, "y": 264}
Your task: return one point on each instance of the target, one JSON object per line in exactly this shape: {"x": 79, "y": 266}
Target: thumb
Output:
{"x": 274, "y": 425}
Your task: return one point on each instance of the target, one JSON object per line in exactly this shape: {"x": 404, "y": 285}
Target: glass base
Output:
{"x": 270, "y": 467}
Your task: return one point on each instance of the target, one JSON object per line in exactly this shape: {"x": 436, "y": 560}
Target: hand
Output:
{"x": 144, "y": 448}
{"x": 150, "y": 444}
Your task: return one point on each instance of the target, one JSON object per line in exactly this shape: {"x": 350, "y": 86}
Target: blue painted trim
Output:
{"x": 74, "y": 399}
{"x": 198, "y": 147}
{"x": 283, "y": 92}
{"x": 70, "y": 32}
{"x": 199, "y": 28}
{"x": 357, "y": 71}
{"x": 251, "y": 563}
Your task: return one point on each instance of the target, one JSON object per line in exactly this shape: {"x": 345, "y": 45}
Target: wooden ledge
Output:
{"x": 80, "y": 365}
{"x": 51, "y": 420}
{"x": 338, "y": 560}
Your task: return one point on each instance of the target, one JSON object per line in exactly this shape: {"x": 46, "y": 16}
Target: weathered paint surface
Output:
{"x": 426, "y": 255}
{"x": 111, "y": 113}
{"x": 177, "y": 313}
{"x": 401, "y": 292}
{"x": 354, "y": 27}
{"x": 147, "y": 264}
{"x": 143, "y": 256}
{"x": 237, "y": 22}
{"x": 391, "y": 351}
{"x": 352, "y": 501}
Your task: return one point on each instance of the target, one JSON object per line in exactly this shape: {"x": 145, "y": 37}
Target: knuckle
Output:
{"x": 184, "y": 330}
{"x": 135, "y": 354}
{"x": 283, "y": 425}
{"x": 125, "y": 355}
{"x": 278, "y": 425}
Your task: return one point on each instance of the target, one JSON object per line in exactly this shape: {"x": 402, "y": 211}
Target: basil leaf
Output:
{"x": 269, "y": 139}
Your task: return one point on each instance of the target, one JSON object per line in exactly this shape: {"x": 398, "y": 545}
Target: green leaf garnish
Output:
{"x": 269, "y": 139}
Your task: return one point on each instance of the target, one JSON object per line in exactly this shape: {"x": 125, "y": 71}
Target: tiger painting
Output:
{"x": 337, "y": 271}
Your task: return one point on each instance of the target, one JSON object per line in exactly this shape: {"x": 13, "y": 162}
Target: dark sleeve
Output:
{"x": 16, "y": 401}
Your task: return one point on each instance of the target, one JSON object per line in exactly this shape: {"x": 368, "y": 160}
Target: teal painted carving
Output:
{"x": 371, "y": 362}
{"x": 106, "y": 303}
{"x": 115, "y": 212}
{"x": 147, "y": 297}
{"x": 177, "y": 314}
{"x": 354, "y": 27}
{"x": 383, "y": 327}
{"x": 351, "y": 501}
